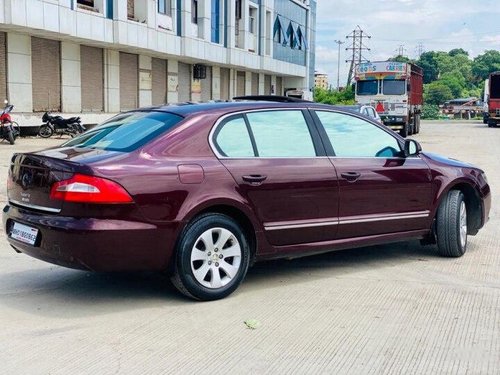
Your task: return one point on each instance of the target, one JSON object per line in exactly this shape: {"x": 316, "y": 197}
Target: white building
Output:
{"x": 99, "y": 57}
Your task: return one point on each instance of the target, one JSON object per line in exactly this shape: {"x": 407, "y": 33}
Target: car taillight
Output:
{"x": 89, "y": 189}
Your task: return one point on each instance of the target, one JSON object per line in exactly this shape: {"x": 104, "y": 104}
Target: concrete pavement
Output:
{"x": 395, "y": 309}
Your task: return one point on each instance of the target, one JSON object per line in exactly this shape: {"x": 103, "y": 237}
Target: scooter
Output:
{"x": 60, "y": 126}
{"x": 9, "y": 130}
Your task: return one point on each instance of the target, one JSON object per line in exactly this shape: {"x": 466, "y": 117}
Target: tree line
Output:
{"x": 447, "y": 75}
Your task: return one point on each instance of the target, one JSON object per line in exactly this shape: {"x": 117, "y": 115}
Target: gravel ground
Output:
{"x": 395, "y": 309}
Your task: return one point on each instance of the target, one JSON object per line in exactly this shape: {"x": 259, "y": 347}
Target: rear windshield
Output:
{"x": 126, "y": 131}
{"x": 394, "y": 87}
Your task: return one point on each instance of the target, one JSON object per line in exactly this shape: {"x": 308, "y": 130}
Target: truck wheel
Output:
{"x": 417, "y": 126}
{"x": 451, "y": 225}
{"x": 404, "y": 132}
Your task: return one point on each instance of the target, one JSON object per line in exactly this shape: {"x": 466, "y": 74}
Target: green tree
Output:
{"x": 485, "y": 64}
{"x": 402, "y": 59}
{"x": 428, "y": 63}
{"x": 437, "y": 93}
{"x": 458, "y": 51}
{"x": 455, "y": 82}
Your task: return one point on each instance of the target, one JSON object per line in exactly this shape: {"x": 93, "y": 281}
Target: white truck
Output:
{"x": 395, "y": 90}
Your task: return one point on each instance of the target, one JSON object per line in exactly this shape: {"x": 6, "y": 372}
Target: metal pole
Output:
{"x": 338, "y": 64}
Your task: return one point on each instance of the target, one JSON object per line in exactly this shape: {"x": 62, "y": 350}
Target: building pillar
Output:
{"x": 173, "y": 81}
{"x": 19, "y": 77}
{"x": 111, "y": 81}
{"x": 71, "y": 85}
{"x": 145, "y": 81}
{"x": 215, "y": 83}
{"x": 204, "y": 19}
{"x": 248, "y": 83}
{"x": 232, "y": 83}
{"x": 262, "y": 83}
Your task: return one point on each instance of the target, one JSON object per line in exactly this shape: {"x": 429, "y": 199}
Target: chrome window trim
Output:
{"x": 242, "y": 112}
{"x": 36, "y": 207}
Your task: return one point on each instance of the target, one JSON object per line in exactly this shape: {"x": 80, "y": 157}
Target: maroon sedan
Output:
{"x": 205, "y": 190}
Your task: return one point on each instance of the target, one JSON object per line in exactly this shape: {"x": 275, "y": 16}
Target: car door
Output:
{"x": 281, "y": 169}
{"x": 380, "y": 190}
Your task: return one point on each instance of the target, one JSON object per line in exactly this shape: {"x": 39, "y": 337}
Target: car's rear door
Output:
{"x": 280, "y": 167}
{"x": 380, "y": 190}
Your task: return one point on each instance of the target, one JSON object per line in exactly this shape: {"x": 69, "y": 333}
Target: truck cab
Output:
{"x": 395, "y": 90}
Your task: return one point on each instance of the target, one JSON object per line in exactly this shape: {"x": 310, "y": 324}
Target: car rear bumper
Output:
{"x": 94, "y": 244}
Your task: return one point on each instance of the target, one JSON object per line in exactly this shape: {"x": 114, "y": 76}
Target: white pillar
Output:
{"x": 173, "y": 81}
{"x": 145, "y": 81}
{"x": 111, "y": 81}
{"x": 204, "y": 19}
{"x": 19, "y": 77}
{"x": 248, "y": 83}
{"x": 262, "y": 86}
{"x": 216, "y": 83}
{"x": 71, "y": 86}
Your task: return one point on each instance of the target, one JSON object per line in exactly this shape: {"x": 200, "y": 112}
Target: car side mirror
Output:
{"x": 411, "y": 147}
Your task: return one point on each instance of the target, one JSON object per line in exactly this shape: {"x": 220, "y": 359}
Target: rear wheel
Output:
{"x": 212, "y": 258}
{"x": 10, "y": 137}
{"x": 404, "y": 132}
{"x": 17, "y": 129}
{"x": 45, "y": 131}
{"x": 451, "y": 225}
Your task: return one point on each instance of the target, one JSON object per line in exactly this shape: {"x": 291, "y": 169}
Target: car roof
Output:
{"x": 189, "y": 108}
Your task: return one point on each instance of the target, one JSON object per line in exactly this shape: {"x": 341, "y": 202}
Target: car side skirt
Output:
{"x": 306, "y": 249}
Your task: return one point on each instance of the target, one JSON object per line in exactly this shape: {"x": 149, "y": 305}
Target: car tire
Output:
{"x": 212, "y": 258}
{"x": 451, "y": 225}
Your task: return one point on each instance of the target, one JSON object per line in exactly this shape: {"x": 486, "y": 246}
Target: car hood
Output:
{"x": 448, "y": 161}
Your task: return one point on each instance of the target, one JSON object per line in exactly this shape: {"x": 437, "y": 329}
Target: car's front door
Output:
{"x": 380, "y": 190}
{"x": 281, "y": 168}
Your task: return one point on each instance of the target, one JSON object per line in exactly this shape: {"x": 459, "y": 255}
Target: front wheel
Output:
{"x": 45, "y": 131}
{"x": 212, "y": 258}
{"x": 451, "y": 225}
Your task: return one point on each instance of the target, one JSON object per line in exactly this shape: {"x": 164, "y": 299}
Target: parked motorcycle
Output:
{"x": 9, "y": 130}
{"x": 60, "y": 126}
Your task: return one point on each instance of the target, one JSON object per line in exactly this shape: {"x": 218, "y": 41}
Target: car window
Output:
{"x": 371, "y": 111}
{"x": 232, "y": 139}
{"x": 354, "y": 137}
{"x": 281, "y": 134}
{"x": 126, "y": 132}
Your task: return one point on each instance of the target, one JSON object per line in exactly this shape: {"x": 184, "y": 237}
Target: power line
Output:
{"x": 419, "y": 50}
{"x": 401, "y": 50}
{"x": 357, "y": 47}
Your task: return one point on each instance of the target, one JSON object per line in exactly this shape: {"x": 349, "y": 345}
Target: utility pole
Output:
{"x": 338, "y": 65}
{"x": 401, "y": 50}
{"x": 357, "y": 47}
{"x": 419, "y": 50}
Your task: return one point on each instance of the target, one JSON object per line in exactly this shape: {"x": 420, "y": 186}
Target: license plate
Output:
{"x": 24, "y": 233}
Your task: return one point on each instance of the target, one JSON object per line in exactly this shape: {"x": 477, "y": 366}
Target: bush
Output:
{"x": 430, "y": 112}
{"x": 334, "y": 97}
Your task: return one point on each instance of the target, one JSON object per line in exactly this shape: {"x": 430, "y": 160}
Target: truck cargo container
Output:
{"x": 494, "y": 99}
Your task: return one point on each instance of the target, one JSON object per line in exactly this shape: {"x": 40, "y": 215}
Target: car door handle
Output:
{"x": 351, "y": 176}
{"x": 254, "y": 178}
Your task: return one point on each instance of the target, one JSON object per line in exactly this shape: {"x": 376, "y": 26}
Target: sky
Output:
{"x": 438, "y": 25}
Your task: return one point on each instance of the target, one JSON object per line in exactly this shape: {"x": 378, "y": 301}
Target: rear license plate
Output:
{"x": 24, "y": 233}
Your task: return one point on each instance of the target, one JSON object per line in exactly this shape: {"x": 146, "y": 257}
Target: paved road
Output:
{"x": 397, "y": 309}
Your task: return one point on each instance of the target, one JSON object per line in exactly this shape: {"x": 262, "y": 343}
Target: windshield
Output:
{"x": 394, "y": 86}
{"x": 367, "y": 87}
{"x": 126, "y": 131}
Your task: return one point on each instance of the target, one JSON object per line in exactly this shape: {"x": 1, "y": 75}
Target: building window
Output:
{"x": 280, "y": 34}
{"x": 237, "y": 9}
{"x": 165, "y": 7}
{"x": 89, "y": 3}
{"x": 215, "y": 21}
{"x": 194, "y": 11}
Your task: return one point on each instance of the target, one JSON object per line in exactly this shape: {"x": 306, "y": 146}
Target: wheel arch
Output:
{"x": 472, "y": 203}
{"x": 236, "y": 211}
